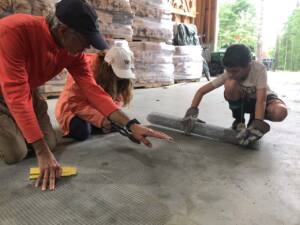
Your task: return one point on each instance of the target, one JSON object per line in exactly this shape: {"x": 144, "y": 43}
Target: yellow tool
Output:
{"x": 66, "y": 171}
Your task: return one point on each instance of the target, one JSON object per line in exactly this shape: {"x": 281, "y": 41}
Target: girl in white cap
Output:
{"x": 113, "y": 72}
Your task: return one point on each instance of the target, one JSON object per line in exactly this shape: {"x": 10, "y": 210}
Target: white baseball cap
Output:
{"x": 121, "y": 61}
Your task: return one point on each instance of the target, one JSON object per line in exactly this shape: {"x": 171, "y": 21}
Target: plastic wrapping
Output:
{"x": 112, "y": 5}
{"x": 153, "y": 62}
{"x": 155, "y": 10}
{"x": 33, "y": 7}
{"x": 188, "y": 62}
{"x": 144, "y": 28}
{"x": 119, "y": 43}
{"x": 115, "y": 17}
{"x": 153, "y": 19}
{"x": 55, "y": 85}
{"x": 115, "y": 30}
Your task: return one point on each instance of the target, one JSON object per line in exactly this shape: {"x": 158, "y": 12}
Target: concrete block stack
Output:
{"x": 188, "y": 62}
{"x": 115, "y": 18}
{"x": 153, "y": 63}
{"x": 33, "y": 7}
{"x": 152, "y": 28}
{"x": 153, "y": 20}
{"x": 55, "y": 85}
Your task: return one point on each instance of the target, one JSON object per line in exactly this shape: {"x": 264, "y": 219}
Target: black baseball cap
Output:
{"x": 81, "y": 17}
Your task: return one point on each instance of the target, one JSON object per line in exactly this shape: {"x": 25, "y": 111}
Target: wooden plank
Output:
{"x": 185, "y": 8}
{"x": 202, "y": 17}
{"x": 180, "y": 12}
{"x": 145, "y": 39}
{"x": 184, "y": 11}
{"x": 215, "y": 15}
{"x": 186, "y": 80}
{"x": 50, "y": 95}
{"x": 206, "y": 20}
{"x": 114, "y": 36}
{"x": 150, "y": 85}
{"x": 208, "y": 24}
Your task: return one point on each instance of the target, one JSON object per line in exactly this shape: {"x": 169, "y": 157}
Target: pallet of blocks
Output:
{"x": 115, "y": 17}
{"x": 153, "y": 64}
{"x": 33, "y": 7}
{"x": 188, "y": 63}
{"x": 152, "y": 20}
{"x": 54, "y": 87}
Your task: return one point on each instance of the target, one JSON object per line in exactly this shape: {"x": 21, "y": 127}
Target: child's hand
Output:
{"x": 189, "y": 119}
{"x": 255, "y": 131}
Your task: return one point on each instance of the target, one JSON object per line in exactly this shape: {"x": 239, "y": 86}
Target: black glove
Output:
{"x": 255, "y": 131}
{"x": 189, "y": 119}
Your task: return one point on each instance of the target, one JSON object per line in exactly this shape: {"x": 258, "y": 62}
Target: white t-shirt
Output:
{"x": 257, "y": 79}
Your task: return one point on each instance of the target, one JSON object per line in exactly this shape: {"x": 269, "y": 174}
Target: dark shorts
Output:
{"x": 249, "y": 104}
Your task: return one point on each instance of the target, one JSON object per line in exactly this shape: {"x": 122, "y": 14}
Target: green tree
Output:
{"x": 237, "y": 24}
{"x": 289, "y": 45}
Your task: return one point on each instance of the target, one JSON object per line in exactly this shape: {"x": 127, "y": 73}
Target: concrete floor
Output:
{"x": 197, "y": 182}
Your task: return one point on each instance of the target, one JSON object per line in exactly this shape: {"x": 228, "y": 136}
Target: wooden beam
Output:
{"x": 180, "y": 12}
{"x": 209, "y": 21}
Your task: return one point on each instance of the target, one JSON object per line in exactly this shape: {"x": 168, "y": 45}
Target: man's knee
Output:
{"x": 13, "y": 146}
{"x": 232, "y": 90}
{"x": 14, "y": 151}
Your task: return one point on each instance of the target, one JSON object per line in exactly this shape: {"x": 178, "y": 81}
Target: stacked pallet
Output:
{"x": 188, "y": 63}
{"x": 115, "y": 17}
{"x": 153, "y": 20}
{"x": 153, "y": 63}
{"x": 152, "y": 28}
{"x": 53, "y": 87}
{"x": 118, "y": 42}
{"x": 34, "y": 7}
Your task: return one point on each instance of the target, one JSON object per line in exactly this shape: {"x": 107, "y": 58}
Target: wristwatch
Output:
{"x": 130, "y": 123}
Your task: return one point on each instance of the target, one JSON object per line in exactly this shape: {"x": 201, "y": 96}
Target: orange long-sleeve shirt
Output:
{"x": 28, "y": 58}
{"x": 72, "y": 103}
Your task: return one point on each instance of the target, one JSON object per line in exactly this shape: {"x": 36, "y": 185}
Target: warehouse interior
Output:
{"x": 189, "y": 180}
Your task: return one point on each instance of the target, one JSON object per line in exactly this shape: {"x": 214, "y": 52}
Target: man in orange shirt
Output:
{"x": 32, "y": 51}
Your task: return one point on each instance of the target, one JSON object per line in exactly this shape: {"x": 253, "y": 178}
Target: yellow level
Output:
{"x": 66, "y": 171}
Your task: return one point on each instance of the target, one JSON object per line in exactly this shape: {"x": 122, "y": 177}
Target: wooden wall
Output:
{"x": 184, "y": 11}
{"x": 206, "y": 20}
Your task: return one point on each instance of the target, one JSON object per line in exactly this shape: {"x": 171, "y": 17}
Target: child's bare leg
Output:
{"x": 232, "y": 90}
{"x": 276, "y": 111}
